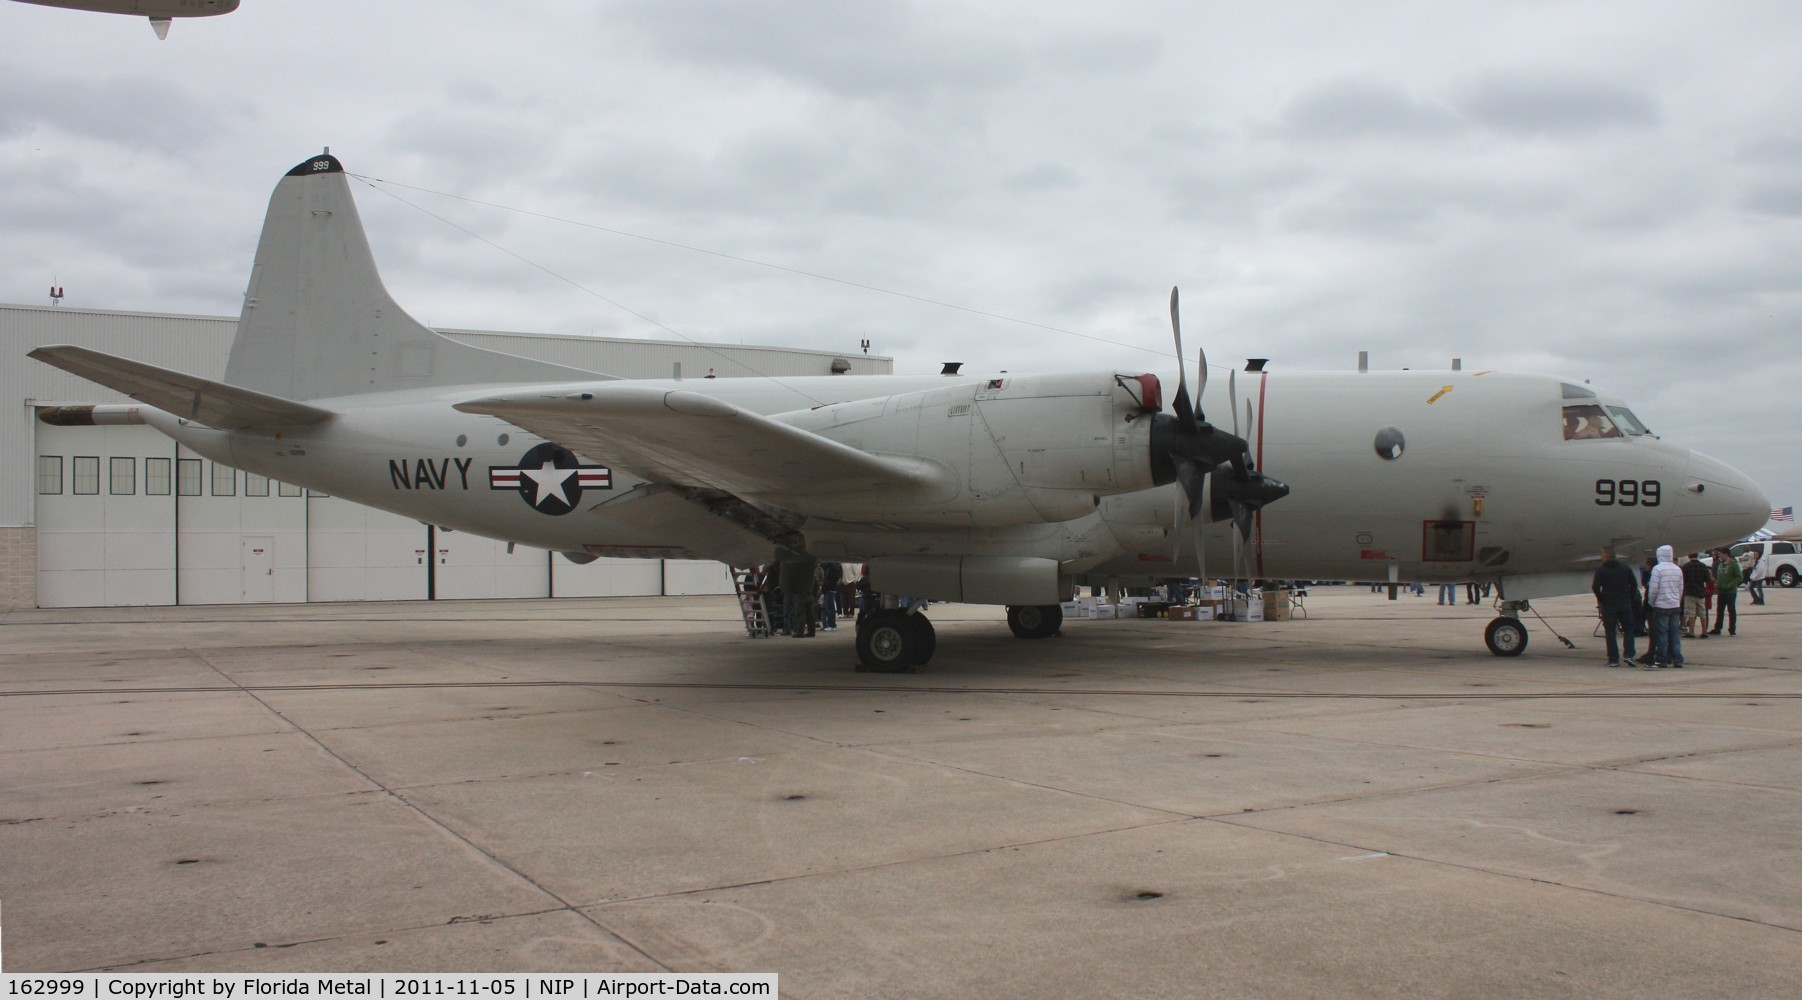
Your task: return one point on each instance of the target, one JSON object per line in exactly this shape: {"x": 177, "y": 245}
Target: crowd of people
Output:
{"x": 803, "y": 597}
{"x": 1666, "y": 602}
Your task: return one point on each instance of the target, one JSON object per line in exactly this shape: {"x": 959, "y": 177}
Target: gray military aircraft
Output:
{"x": 1005, "y": 489}
{"x": 158, "y": 11}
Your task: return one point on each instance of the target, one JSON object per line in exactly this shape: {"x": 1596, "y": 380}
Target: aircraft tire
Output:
{"x": 1787, "y": 576}
{"x": 894, "y": 641}
{"x": 1506, "y": 637}
{"x": 928, "y": 636}
{"x": 1035, "y": 621}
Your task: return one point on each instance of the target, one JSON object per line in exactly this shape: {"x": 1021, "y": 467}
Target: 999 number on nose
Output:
{"x": 1629, "y": 492}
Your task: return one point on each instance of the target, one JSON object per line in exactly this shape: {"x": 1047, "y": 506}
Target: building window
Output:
{"x": 255, "y": 485}
{"x": 50, "y": 475}
{"x": 288, "y": 489}
{"x": 225, "y": 480}
{"x": 86, "y": 475}
{"x": 187, "y": 477}
{"x": 156, "y": 477}
{"x": 122, "y": 476}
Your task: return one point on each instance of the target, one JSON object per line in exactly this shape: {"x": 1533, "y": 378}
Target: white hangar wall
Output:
{"x": 114, "y": 516}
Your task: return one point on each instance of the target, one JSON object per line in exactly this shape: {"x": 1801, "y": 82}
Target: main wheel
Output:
{"x": 1787, "y": 576}
{"x": 928, "y": 636}
{"x": 1035, "y": 621}
{"x": 1506, "y": 637}
{"x": 894, "y": 641}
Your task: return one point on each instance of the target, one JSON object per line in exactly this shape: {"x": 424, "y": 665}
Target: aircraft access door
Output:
{"x": 1448, "y": 542}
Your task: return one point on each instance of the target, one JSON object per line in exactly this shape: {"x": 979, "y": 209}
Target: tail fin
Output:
{"x": 318, "y": 323}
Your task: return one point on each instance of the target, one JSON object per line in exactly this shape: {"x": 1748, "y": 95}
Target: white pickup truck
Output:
{"x": 1782, "y": 560}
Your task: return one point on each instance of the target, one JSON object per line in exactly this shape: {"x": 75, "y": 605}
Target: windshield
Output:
{"x": 1587, "y": 421}
{"x": 1588, "y": 418}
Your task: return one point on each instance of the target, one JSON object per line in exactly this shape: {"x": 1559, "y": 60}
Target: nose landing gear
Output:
{"x": 1507, "y": 636}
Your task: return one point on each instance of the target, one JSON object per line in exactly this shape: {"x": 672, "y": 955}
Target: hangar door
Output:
{"x": 105, "y": 516}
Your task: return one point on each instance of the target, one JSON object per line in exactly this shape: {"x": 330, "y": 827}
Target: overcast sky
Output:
{"x": 1609, "y": 190}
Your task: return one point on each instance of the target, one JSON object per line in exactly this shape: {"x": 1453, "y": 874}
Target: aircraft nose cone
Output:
{"x": 1721, "y": 502}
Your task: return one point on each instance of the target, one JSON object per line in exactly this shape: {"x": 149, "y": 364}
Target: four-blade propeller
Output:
{"x": 1185, "y": 448}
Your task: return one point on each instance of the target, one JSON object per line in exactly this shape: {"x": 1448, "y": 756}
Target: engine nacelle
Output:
{"x": 970, "y": 579}
{"x": 1013, "y": 450}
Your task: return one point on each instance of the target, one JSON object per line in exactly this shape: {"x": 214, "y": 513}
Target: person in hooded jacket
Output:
{"x": 1664, "y": 592}
{"x": 1755, "y": 574}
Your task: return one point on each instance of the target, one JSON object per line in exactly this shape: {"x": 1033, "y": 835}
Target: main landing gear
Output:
{"x": 1035, "y": 621}
{"x": 894, "y": 640}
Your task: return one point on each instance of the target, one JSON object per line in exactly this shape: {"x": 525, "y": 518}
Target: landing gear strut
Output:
{"x": 894, "y": 641}
{"x": 1035, "y": 621}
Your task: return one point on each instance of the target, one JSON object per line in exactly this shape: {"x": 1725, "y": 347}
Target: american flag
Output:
{"x": 1783, "y": 513}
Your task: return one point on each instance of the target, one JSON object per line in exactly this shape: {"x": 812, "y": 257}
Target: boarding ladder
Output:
{"x": 751, "y": 603}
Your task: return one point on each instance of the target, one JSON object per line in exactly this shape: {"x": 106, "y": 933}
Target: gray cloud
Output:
{"x": 1362, "y": 109}
{"x": 1555, "y": 104}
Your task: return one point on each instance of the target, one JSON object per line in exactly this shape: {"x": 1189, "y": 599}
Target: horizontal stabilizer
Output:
{"x": 689, "y": 439}
{"x": 215, "y": 404}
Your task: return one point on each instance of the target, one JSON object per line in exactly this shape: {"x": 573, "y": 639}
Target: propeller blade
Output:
{"x": 1242, "y": 517}
{"x": 1181, "y": 405}
{"x": 1193, "y": 478}
{"x": 1232, "y": 397}
{"x": 1201, "y": 380}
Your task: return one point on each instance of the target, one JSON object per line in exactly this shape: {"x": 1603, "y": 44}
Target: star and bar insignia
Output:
{"x": 550, "y": 478}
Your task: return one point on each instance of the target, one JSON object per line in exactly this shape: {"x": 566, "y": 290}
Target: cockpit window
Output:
{"x": 1573, "y": 391}
{"x": 1627, "y": 421}
{"x": 1587, "y": 422}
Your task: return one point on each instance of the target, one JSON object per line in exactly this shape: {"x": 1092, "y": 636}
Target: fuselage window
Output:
{"x": 1588, "y": 422}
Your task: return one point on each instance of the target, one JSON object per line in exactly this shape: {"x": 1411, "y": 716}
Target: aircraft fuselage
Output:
{"x": 1436, "y": 476}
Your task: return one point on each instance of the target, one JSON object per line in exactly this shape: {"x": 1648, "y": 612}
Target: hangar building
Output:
{"x": 121, "y": 515}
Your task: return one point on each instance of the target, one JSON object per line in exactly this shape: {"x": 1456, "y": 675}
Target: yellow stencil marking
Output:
{"x": 1435, "y": 397}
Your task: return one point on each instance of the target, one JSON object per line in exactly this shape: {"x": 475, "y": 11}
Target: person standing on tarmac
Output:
{"x": 1616, "y": 587}
{"x": 1664, "y": 593}
{"x": 1755, "y": 575}
{"x": 800, "y": 599}
{"x": 832, "y": 580}
{"x": 1727, "y": 578}
{"x": 1696, "y": 579}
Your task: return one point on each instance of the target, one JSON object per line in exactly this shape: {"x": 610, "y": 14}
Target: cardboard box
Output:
{"x": 1191, "y": 613}
{"x": 1248, "y": 608}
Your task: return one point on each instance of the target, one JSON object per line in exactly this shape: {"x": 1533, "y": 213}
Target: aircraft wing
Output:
{"x": 688, "y": 439}
{"x": 212, "y": 403}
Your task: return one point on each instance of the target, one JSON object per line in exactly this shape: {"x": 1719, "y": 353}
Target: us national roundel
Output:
{"x": 550, "y": 478}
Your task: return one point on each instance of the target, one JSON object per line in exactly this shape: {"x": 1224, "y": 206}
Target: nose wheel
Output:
{"x": 1506, "y": 636}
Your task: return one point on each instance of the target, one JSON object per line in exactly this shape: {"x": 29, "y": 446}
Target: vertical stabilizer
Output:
{"x": 318, "y": 323}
